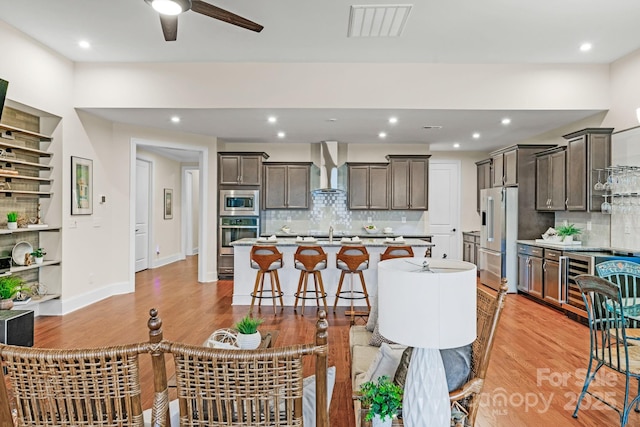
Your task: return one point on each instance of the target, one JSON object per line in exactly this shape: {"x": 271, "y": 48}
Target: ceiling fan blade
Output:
{"x": 223, "y": 15}
{"x": 169, "y": 27}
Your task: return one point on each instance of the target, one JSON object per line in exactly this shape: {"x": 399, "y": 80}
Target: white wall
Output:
{"x": 342, "y": 85}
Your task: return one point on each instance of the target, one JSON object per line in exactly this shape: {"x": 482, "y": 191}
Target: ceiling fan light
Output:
{"x": 171, "y": 7}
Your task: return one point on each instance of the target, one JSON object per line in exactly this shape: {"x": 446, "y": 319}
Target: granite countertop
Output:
{"x": 340, "y": 234}
{"x": 560, "y": 246}
{"x": 337, "y": 241}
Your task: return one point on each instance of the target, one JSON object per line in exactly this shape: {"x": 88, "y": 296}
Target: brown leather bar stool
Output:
{"x": 267, "y": 260}
{"x": 397, "y": 252}
{"x": 352, "y": 260}
{"x": 310, "y": 260}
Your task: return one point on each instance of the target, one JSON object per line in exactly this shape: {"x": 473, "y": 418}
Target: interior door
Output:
{"x": 444, "y": 209}
{"x": 143, "y": 180}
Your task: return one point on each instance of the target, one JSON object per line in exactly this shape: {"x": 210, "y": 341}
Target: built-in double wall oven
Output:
{"x": 239, "y": 218}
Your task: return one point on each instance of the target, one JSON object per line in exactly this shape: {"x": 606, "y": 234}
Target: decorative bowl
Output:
{"x": 371, "y": 229}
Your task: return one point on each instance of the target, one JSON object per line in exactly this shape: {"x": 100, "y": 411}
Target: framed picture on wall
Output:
{"x": 168, "y": 203}
{"x": 81, "y": 186}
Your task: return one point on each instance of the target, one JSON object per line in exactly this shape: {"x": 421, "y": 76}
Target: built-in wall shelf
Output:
{"x": 46, "y": 262}
{"x": 41, "y": 136}
{"x": 29, "y": 230}
{"x": 32, "y": 151}
{"x": 25, "y": 163}
{"x": 10, "y": 193}
{"x": 26, "y": 187}
{"x": 10, "y": 177}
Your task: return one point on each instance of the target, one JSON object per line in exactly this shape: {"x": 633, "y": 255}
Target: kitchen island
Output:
{"x": 244, "y": 276}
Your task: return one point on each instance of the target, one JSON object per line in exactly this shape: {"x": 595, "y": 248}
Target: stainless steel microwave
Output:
{"x": 239, "y": 202}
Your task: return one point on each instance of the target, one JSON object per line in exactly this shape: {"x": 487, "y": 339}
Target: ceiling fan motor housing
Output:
{"x": 170, "y": 7}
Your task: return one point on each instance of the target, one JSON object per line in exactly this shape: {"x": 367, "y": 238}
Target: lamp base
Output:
{"x": 426, "y": 395}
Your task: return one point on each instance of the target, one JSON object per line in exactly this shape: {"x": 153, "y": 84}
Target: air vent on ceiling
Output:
{"x": 378, "y": 20}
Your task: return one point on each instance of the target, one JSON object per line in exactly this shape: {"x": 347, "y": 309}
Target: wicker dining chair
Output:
{"x": 82, "y": 387}
{"x": 488, "y": 310}
{"x": 263, "y": 387}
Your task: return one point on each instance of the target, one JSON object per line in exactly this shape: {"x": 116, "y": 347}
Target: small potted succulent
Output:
{"x": 12, "y": 220}
{"x": 9, "y": 287}
{"x": 383, "y": 400}
{"x": 38, "y": 255}
{"x": 248, "y": 335}
{"x": 567, "y": 232}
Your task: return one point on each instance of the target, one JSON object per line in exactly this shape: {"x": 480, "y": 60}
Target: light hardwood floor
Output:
{"x": 535, "y": 375}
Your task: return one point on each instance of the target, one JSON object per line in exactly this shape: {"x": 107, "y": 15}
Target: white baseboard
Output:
{"x": 59, "y": 307}
{"x": 168, "y": 260}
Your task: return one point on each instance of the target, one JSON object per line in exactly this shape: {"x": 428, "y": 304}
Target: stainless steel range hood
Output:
{"x": 328, "y": 156}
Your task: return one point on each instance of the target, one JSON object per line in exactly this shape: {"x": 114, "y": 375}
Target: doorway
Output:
{"x": 444, "y": 208}
{"x": 198, "y": 155}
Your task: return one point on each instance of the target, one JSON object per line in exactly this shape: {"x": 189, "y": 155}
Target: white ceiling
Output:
{"x": 437, "y": 31}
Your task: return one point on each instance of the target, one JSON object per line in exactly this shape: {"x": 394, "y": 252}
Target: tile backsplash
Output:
{"x": 331, "y": 209}
{"x": 599, "y": 235}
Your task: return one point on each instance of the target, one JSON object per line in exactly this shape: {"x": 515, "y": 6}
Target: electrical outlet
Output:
{"x": 565, "y": 222}
{"x": 288, "y": 219}
{"x": 90, "y": 278}
{"x": 369, "y": 220}
{"x": 404, "y": 219}
{"x": 588, "y": 225}
{"x": 627, "y": 229}
{"x": 157, "y": 249}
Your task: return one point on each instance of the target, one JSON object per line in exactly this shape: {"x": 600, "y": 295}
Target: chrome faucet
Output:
{"x": 330, "y": 234}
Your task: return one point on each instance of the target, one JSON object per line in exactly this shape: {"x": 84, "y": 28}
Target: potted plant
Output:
{"x": 12, "y": 220}
{"x": 567, "y": 232}
{"x": 383, "y": 399}
{"x": 38, "y": 255}
{"x": 248, "y": 335}
{"x": 9, "y": 287}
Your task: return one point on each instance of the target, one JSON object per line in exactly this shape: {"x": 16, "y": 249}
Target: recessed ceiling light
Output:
{"x": 84, "y": 44}
{"x": 175, "y": 119}
{"x": 476, "y": 135}
{"x": 281, "y": 134}
{"x": 382, "y": 135}
{"x": 585, "y": 47}
{"x": 456, "y": 145}
{"x": 506, "y": 121}
{"x": 393, "y": 120}
{"x": 272, "y": 119}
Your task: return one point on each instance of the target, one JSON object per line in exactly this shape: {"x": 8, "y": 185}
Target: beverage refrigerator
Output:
{"x": 498, "y": 256}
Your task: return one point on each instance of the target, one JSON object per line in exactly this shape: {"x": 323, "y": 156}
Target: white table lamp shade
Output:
{"x": 428, "y": 308}
{"x": 424, "y": 309}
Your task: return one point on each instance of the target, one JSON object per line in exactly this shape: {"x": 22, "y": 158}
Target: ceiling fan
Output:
{"x": 170, "y": 9}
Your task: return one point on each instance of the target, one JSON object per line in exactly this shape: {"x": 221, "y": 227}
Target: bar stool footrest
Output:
{"x": 298, "y": 295}
{"x": 339, "y": 295}
{"x": 267, "y": 291}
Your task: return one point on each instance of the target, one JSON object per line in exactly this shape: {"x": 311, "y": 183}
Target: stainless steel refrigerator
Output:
{"x": 498, "y": 255}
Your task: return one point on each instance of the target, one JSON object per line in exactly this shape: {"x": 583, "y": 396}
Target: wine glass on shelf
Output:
{"x": 599, "y": 185}
{"x": 605, "y": 207}
{"x": 607, "y": 182}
